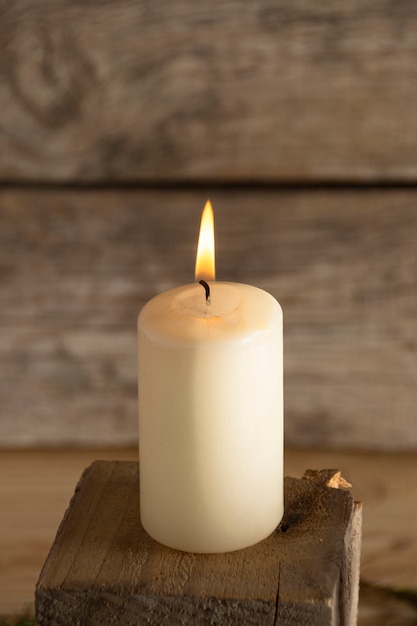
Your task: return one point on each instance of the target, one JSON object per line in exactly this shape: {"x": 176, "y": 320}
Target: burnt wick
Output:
{"x": 207, "y": 288}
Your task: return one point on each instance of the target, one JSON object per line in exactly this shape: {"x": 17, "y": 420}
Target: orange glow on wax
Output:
{"x": 205, "y": 265}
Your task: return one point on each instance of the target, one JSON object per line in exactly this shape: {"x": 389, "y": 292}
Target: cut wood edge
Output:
{"x": 350, "y": 569}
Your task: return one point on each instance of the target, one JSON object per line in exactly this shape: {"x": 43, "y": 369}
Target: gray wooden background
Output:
{"x": 119, "y": 119}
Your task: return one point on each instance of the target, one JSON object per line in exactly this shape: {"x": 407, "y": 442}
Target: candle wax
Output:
{"x": 211, "y": 417}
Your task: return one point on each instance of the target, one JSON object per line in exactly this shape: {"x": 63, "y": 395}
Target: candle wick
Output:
{"x": 207, "y": 288}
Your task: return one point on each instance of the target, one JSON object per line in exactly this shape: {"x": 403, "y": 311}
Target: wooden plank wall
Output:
{"x": 77, "y": 266}
{"x": 174, "y": 90}
{"x": 118, "y": 120}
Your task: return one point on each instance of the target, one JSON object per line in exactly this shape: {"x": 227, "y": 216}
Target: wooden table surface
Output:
{"x": 35, "y": 488}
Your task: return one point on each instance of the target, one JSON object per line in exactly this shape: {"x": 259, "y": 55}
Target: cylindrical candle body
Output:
{"x": 211, "y": 417}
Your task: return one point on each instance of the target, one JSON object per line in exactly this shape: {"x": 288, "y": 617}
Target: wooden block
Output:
{"x": 103, "y": 569}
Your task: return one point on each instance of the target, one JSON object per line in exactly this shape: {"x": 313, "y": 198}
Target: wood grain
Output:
{"x": 129, "y": 91}
{"x": 76, "y": 268}
{"x": 103, "y": 566}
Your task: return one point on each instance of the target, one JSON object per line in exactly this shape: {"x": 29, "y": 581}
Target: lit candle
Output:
{"x": 210, "y": 412}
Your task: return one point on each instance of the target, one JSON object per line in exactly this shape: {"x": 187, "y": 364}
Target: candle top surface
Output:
{"x": 235, "y": 311}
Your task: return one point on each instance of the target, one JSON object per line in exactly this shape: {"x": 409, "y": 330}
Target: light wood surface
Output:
{"x": 36, "y": 486}
{"x": 106, "y": 90}
{"x": 103, "y": 567}
{"x": 77, "y": 266}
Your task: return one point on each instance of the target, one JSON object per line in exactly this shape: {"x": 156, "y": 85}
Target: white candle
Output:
{"x": 211, "y": 417}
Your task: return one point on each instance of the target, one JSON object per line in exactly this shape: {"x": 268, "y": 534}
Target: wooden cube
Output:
{"x": 103, "y": 568}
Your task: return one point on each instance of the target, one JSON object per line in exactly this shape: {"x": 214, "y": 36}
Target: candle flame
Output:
{"x": 205, "y": 268}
